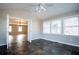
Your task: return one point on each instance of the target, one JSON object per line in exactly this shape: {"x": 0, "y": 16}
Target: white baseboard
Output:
{"x": 2, "y": 44}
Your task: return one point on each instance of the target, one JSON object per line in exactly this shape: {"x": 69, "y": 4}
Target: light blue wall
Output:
{"x": 3, "y": 29}
{"x": 70, "y": 40}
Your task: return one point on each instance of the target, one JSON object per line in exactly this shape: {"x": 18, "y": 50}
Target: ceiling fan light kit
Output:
{"x": 40, "y": 8}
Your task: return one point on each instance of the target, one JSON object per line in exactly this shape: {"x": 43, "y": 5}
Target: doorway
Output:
{"x": 18, "y": 36}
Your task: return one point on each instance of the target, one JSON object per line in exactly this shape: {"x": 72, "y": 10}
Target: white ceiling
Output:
{"x": 27, "y": 10}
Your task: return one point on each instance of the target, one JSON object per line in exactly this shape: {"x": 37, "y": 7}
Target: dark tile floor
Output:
{"x": 3, "y": 50}
{"x": 40, "y": 47}
{"x": 45, "y": 47}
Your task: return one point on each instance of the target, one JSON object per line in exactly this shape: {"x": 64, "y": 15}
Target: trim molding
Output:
{"x": 2, "y": 44}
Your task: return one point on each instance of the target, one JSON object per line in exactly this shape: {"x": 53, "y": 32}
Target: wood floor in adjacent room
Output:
{"x": 18, "y": 45}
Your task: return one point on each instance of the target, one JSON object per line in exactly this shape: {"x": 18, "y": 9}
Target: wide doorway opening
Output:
{"x": 18, "y": 36}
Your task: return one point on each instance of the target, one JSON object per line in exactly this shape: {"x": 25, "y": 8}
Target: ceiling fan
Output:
{"x": 41, "y": 7}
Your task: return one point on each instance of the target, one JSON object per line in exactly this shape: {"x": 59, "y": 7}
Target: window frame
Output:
{"x": 62, "y": 25}
{"x": 70, "y": 26}
{"x": 59, "y": 27}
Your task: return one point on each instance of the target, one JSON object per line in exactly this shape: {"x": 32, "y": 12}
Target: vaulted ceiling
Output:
{"x": 27, "y": 10}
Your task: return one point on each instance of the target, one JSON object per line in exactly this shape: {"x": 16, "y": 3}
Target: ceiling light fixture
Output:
{"x": 40, "y": 8}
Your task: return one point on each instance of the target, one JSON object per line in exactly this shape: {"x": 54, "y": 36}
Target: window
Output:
{"x": 10, "y": 28}
{"x": 46, "y": 27}
{"x": 52, "y": 27}
{"x": 70, "y": 26}
{"x": 56, "y": 27}
{"x": 20, "y": 28}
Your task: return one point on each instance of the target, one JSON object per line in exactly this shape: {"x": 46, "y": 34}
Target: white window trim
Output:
{"x": 62, "y": 25}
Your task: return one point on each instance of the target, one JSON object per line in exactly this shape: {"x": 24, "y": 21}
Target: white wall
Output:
{"x": 3, "y": 29}
{"x": 34, "y": 29}
{"x": 65, "y": 39}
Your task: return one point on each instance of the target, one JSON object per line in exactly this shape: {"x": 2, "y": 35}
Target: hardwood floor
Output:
{"x": 18, "y": 45}
{"x": 15, "y": 50}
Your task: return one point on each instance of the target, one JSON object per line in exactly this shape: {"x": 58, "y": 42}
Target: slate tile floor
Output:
{"x": 41, "y": 47}
{"x": 3, "y": 50}
{"x": 44, "y": 47}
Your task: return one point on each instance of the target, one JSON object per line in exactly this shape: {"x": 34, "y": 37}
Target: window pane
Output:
{"x": 56, "y": 27}
{"x": 10, "y": 28}
{"x": 20, "y": 28}
{"x": 46, "y": 27}
{"x": 71, "y": 21}
{"x": 71, "y": 30}
{"x": 46, "y": 30}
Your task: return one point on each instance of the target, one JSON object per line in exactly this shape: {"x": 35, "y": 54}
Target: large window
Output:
{"x": 46, "y": 27}
{"x": 70, "y": 26}
{"x": 20, "y": 28}
{"x": 56, "y": 27}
